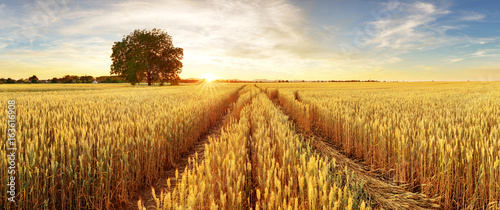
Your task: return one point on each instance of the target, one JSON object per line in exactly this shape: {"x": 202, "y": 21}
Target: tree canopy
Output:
{"x": 148, "y": 55}
{"x": 33, "y": 79}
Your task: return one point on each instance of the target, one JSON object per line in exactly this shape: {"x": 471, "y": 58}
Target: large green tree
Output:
{"x": 149, "y": 55}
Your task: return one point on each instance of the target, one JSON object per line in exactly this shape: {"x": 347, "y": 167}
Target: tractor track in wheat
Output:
{"x": 383, "y": 193}
{"x": 195, "y": 153}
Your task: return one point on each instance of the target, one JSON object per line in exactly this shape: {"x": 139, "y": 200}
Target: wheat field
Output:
{"x": 440, "y": 139}
{"x": 91, "y": 147}
{"x": 96, "y": 146}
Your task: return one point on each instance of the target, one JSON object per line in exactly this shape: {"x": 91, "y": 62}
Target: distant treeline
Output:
{"x": 118, "y": 79}
{"x": 67, "y": 79}
{"x": 189, "y": 80}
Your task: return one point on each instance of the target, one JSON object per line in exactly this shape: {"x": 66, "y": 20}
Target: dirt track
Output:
{"x": 383, "y": 194}
{"x": 145, "y": 194}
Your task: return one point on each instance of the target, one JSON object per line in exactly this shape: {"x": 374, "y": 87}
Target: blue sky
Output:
{"x": 273, "y": 39}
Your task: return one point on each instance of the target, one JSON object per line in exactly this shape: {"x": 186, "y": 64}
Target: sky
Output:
{"x": 261, "y": 39}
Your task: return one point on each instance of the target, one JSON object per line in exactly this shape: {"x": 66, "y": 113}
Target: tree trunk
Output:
{"x": 148, "y": 77}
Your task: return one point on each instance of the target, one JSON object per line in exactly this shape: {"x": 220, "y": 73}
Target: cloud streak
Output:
{"x": 453, "y": 60}
{"x": 485, "y": 53}
{"x": 472, "y": 16}
{"x": 413, "y": 29}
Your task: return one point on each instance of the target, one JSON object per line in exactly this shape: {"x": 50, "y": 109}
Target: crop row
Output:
{"x": 93, "y": 149}
{"x": 440, "y": 139}
{"x": 260, "y": 162}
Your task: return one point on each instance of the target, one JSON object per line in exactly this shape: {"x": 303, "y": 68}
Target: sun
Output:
{"x": 209, "y": 77}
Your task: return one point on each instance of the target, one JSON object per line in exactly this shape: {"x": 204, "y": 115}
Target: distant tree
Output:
{"x": 54, "y": 80}
{"x": 20, "y": 81}
{"x": 68, "y": 79}
{"x": 86, "y": 79}
{"x": 33, "y": 79}
{"x": 148, "y": 55}
{"x": 10, "y": 81}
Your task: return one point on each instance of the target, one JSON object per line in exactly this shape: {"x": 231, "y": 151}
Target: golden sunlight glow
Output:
{"x": 209, "y": 77}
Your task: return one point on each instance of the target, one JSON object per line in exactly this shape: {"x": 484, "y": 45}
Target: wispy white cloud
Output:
{"x": 412, "y": 30}
{"x": 479, "y": 53}
{"x": 394, "y": 60}
{"x": 453, "y": 60}
{"x": 483, "y": 41}
{"x": 484, "y": 53}
{"x": 473, "y": 16}
{"x": 397, "y": 29}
